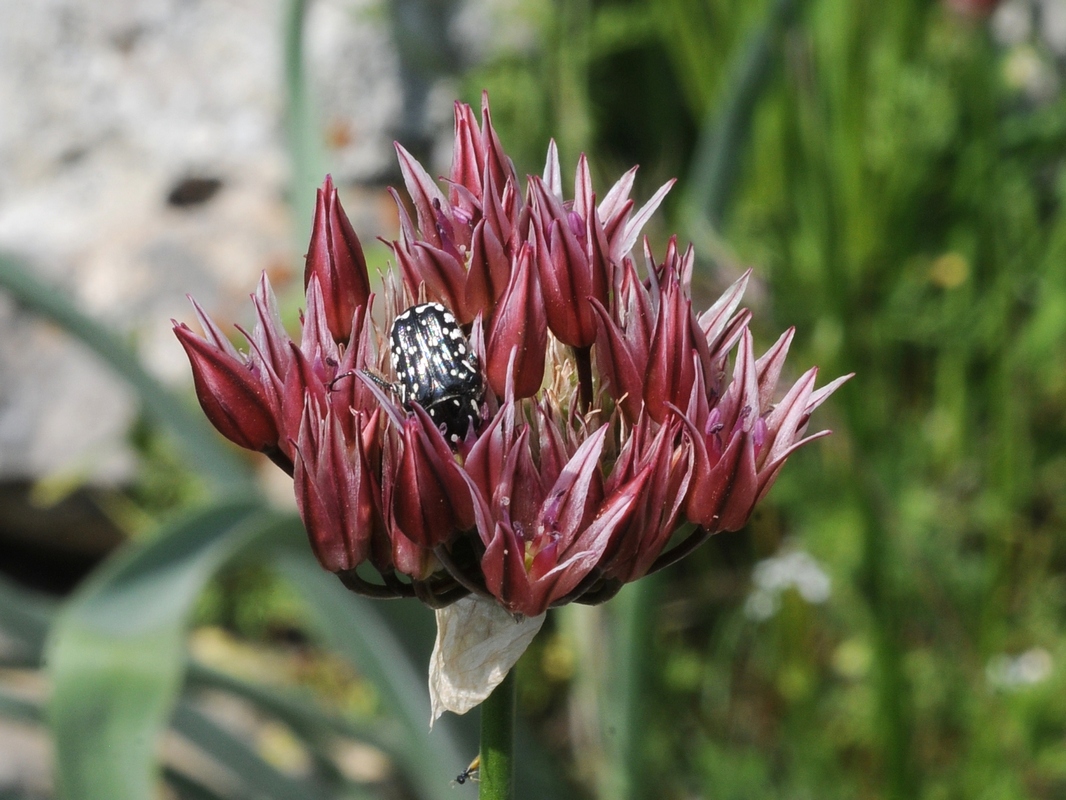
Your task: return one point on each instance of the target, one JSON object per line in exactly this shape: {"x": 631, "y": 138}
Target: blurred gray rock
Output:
{"x": 142, "y": 157}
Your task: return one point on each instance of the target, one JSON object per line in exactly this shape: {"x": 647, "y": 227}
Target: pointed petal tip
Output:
{"x": 738, "y": 287}
{"x": 779, "y": 460}
{"x": 835, "y": 384}
{"x": 821, "y": 395}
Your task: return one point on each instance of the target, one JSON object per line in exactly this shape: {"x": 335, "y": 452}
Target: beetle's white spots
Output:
{"x": 435, "y": 367}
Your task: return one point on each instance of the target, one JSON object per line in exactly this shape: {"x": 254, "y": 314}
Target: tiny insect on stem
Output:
{"x": 470, "y": 773}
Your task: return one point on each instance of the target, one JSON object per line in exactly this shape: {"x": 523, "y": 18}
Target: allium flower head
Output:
{"x": 609, "y": 412}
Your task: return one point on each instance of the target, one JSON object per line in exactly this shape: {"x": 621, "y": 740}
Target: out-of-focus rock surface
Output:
{"x": 142, "y": 157}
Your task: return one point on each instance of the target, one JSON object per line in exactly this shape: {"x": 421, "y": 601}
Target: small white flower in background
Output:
{"x": 1012, "y": 22}
{"x": 1011, "y": 673}
{"x": 794, "y": 569}
{"x": 1018, "y": 21}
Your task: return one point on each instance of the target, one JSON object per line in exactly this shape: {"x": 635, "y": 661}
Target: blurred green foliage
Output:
{"x": 901, "y": 198}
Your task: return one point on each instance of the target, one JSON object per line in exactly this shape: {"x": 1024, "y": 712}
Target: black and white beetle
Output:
{"x": 436, "y": 368}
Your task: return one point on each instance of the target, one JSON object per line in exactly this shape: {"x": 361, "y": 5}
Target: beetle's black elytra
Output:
{"x": 436, "y": 368}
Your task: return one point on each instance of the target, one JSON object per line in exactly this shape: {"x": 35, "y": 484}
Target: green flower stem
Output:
{"x": 497, "y": 742}
{"x": 633, "y": 633}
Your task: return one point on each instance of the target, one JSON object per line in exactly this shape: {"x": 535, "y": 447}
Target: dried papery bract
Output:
{"x": 477, "y": 644}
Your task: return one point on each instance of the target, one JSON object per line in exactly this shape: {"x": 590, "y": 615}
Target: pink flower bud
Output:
{"x": 232, "y": 396}
{"x": 336, "y": 257}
